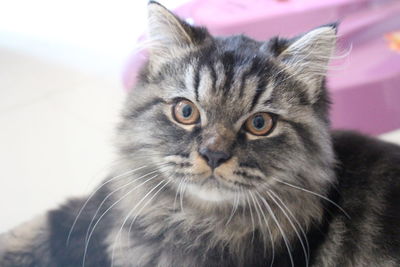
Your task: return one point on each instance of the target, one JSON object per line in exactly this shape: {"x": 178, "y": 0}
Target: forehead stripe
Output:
{"x": 205, "y": 83}
{"x": 196, "y": 82}
{"x": 213, "y": 78}
{"x": 261, "y": 86}
{"x": 228, "y": 63}
{"x": 255, "y": 67}
{"x": 243, "y": 83}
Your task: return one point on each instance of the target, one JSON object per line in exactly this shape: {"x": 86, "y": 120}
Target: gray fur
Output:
{"x": 285, "y": 199}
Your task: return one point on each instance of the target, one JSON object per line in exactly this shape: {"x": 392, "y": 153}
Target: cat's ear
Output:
{"x": 168, "y": 34}
{"x": 307, "y": 56}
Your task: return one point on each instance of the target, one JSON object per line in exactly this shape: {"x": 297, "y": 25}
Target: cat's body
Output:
{"x": 226, "y": 159}
{"x": 370, "y": 199}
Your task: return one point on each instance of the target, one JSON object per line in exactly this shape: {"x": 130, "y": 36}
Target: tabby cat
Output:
{"x": 226, "y": 158}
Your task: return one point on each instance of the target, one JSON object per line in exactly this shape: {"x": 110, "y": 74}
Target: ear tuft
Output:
{"x": 165, "y": 27}
{"x": 308, "y": 56}
{"x": 276, "y": 46}
{"x": 168, "y": 35}
{"x": 334, "y": 25}
{"x": 313, "y": 46}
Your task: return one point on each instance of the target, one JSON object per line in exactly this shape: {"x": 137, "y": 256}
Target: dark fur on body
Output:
{"x": 299, "y": 196}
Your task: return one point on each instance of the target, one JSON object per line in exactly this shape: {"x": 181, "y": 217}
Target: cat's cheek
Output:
{"x": 200, "y": 167}
{"x": 225, "y": 171}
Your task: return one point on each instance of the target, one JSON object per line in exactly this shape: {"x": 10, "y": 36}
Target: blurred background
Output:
{"x": 66, "y": 66}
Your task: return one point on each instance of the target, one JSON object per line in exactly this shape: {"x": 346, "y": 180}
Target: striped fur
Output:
{"x": 300, "y": 196}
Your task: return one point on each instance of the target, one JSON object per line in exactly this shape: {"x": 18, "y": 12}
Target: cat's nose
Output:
{"x": 214, "y": 158}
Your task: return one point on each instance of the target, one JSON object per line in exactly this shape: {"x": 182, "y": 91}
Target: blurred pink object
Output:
{"x": 366, "y": 89}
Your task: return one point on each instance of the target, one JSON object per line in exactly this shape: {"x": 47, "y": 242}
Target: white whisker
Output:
{"x": 128, "y": 216}
{"x": 92, "y": 194}
{"x": 113, "y": 192}
{"x": 296, "y": 221}
{"x": 269, "y": 231}
{"x": 315, "y": 194}
{"x": 293, "y": 226}
{"x": 108, "y": 209}
{"x": 252, "y": 218}
{"x": 259, "y": 220}
{"x": 234, "y": 207}
{"x": 182, "y": 191}
{"x": 285, "y": 239}
{"x": 178, "y": 192}
{"x": 138, "y": 212}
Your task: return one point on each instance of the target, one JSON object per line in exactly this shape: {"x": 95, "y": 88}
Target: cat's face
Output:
{"x": 220, "y": 117}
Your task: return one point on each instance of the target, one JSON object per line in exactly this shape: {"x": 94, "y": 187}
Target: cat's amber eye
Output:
{"x": 259, "y": 124}
{"x": 186, "y": 112}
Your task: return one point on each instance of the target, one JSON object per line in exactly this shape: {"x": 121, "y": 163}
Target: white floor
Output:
{"x": 60, "y": 94}
{"x": 56, "y": 125}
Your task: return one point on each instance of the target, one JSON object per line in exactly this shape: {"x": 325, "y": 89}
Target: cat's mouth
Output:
{"x": 215, "y": 183}
{"x": 215, "y": 179}
{"x": 209, "y": 181}
{"x": 212, "y": 189}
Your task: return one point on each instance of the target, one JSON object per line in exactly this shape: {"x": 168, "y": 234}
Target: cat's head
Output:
{"x": 230, "y": 116}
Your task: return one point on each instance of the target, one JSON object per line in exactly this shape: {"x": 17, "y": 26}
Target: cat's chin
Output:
{"x": 211, "y": 190}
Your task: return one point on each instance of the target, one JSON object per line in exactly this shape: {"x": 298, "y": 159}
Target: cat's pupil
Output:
{"x": 187, "y": 111}
{"x": 258, "y": 122}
